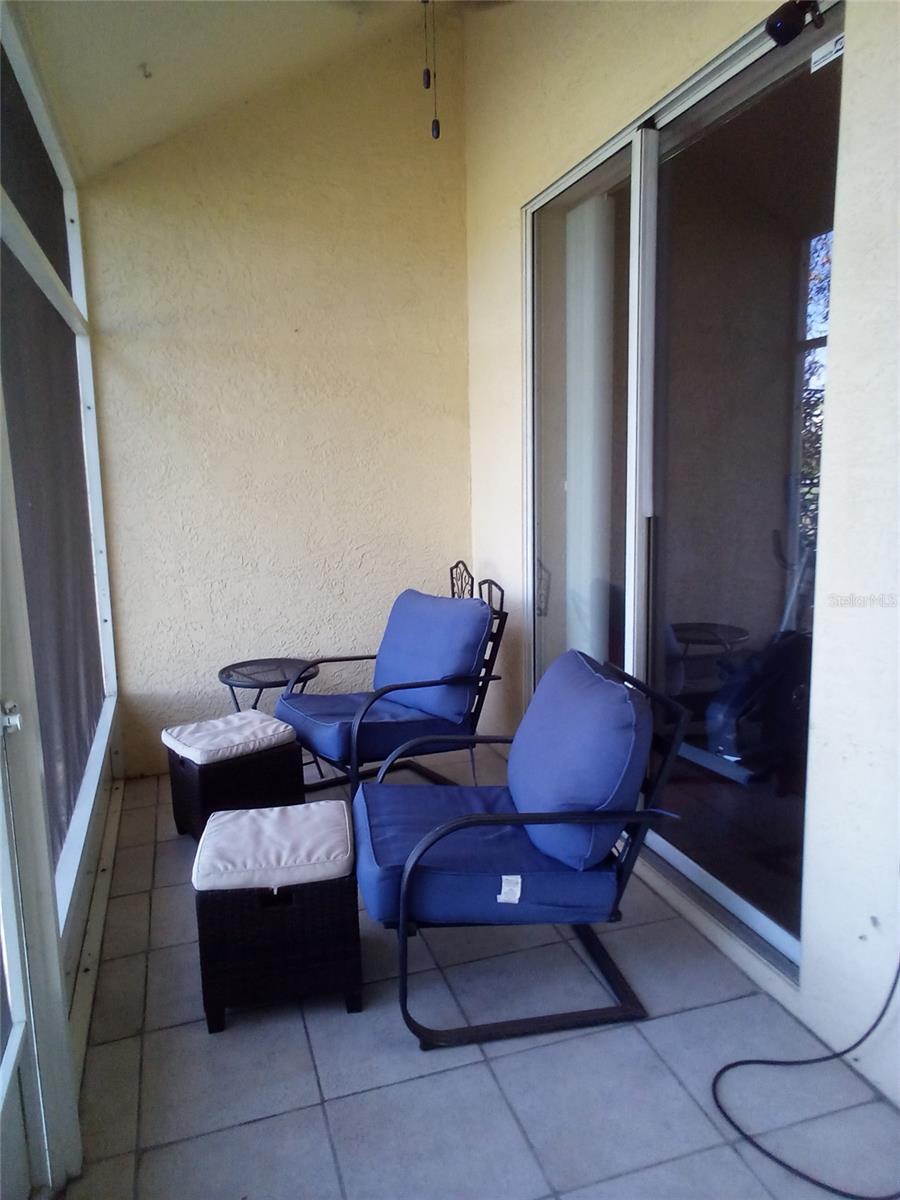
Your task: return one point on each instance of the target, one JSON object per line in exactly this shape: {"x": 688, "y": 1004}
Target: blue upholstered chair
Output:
{"x": 432, "y": 672}
{"x": 556, "y": 845}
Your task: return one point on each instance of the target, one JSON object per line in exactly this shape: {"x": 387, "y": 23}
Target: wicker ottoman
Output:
{"x": 231, "y": 762}
{"x": 277, "y": 908}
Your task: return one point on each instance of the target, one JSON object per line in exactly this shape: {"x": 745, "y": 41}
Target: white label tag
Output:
{"x": 510, "y": 889}
{"x": 827, "y": 53}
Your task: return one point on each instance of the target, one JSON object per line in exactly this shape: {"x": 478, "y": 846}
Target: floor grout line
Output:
{"x": 493, "y": 1074}
{"x": 663, "y": 1162}
{"x": 677, "y": 1012}
{"x": 593, "y": 1030}
{"x": 560, "y": 941}
{"x": 590, "y": 1032}
{"x": 326, "y": 1099}
{"x": 753, "y": 1160}
{"x": 844, "y": 1108}
{"x": 692, "y": 1100}
{"x": 378, "y": 1087}
{"x": 464, "y": 962}
{"x": 570, "y": 1035}
{"x": 736, "y": 1139}
{"x": 623, "y": 926}
{"x": 285, "y": 1112}
{"x": 323, "y": 1103}
{"x": 139, "y": 1149}
{"x": 325, "y": 1118}
{"x": 140, "y": 1078}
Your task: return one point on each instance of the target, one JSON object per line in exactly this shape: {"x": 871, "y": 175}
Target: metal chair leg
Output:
{"x": 403, "y": 764}
{"x": 627, "y": 1007}
{"x": 313, "y": 761}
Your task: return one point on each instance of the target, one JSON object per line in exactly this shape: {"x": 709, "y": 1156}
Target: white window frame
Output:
{"x": 57, "y": 918}
{"x": 72, "y": 306}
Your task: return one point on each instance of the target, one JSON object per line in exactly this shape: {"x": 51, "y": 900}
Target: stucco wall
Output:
{"x": 851, "y": 915}
{"x": 278, "y": 302}
{"x": 545, "y": 85}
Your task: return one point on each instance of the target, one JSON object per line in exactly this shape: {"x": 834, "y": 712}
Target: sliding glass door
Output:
{"x": 746, "y": 208}
{"x": 679, "y": 342}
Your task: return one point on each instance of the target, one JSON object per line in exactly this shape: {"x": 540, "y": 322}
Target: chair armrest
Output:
{"x": 402, "y": 687}
{"x": 458, "y": 740}
{"x": 623, "y": 817}
{"x": 318, "y": 662}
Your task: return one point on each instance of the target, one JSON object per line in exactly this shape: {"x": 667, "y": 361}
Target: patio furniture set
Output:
{"x": 276, "y": 872}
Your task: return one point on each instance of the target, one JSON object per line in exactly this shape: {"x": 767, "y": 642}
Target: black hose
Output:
{"x": 803, "y": 1062}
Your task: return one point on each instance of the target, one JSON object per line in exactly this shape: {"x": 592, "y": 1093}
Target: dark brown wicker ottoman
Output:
{"x": 229, "y": 763}
{"x": 277, "y": 908}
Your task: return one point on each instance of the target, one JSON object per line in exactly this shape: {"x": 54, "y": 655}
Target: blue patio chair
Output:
{"x": 432, "y": 673}
{"x": 557, "y": 845}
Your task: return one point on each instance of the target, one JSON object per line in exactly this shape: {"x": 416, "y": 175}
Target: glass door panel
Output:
{"x": 581, "y": 268}
{"x": 746, "y": 202}
{"x": 679, "y": 329}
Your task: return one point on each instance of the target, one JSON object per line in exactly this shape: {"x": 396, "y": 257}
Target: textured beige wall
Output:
{"x": 546, "y": 84}
{"x": 851, "y": 914}
{"x": 278, "y": 302}
{"x": 199, "y": 57}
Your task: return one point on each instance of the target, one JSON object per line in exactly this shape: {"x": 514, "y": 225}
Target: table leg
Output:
{"x": 312, "y": 760}
{"x": 234, "y": 699}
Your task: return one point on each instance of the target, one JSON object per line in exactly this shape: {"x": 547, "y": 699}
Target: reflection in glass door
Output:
{"x": 581, "y": 373}
{"x": 746, "y": 205}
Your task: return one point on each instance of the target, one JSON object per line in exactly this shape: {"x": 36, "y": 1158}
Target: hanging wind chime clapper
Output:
{"x": 429, "y": 74}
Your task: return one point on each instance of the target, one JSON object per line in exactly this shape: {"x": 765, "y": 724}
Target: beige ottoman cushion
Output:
{"x": 274, "y": 847}
{"x": 233, "y": 736}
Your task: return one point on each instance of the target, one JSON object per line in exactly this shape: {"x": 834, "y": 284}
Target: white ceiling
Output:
{"x": 199, "y": 55}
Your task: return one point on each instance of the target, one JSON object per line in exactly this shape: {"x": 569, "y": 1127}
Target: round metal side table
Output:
{"x": 264, "y": 673}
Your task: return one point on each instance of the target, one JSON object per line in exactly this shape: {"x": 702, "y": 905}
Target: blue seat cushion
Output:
{"x": 458, "y": 881}
{"x": 323, "y": 724}
{"x": 582, "y": 746}
{"x": 432, "y": 637}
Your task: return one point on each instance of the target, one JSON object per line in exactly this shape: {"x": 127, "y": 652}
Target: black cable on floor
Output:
{"x": 803, "y": 1062}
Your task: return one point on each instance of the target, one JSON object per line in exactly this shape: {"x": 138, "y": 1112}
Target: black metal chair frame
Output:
{"x": 354, "y": 770}
{"x": 634, "y": 824}
{"x": 462, "y": 581}
{"x": 490, "y": 591}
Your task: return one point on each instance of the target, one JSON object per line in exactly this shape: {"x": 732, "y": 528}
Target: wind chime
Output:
{"x": 429, "y": 74}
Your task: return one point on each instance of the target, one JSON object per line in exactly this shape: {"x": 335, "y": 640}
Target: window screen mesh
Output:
{"x": 28, "y": 175}
{"x": 43, "y": 415}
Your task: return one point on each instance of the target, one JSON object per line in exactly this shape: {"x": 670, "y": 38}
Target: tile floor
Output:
{"x": 314, "y": 1104}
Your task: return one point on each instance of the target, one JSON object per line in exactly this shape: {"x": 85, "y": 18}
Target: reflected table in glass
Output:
{"x": 709, "y": 633}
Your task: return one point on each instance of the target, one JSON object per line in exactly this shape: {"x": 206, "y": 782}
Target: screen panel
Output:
{"x": 43, "y": 413}
{"x": 28, "y": 175}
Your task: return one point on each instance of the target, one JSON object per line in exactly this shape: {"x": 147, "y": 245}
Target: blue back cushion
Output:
{"x": 583, "y": 745}
{"x": 431, "y": 637}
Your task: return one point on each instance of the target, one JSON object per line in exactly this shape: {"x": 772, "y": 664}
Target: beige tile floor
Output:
{"x": 310, "y": 1103}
